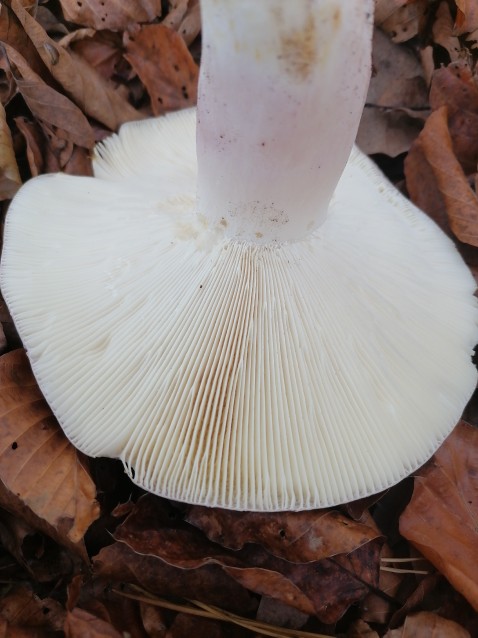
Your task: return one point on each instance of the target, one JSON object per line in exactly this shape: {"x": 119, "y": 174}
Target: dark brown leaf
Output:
{"x": 209, "y": 584}
{"x": 294, "y": 536}
{"x": 441, "y": 520}
{"x": 21, "y": 607}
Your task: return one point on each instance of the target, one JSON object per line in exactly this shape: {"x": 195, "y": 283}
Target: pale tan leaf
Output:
{"x": 9, "y": 176}
{"x": 428, "y": 624}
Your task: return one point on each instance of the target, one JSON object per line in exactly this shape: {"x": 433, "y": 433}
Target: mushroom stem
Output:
{"x": 281, "y": 92}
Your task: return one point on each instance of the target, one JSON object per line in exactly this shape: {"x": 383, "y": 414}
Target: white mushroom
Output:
{"x": 298, "y": 335}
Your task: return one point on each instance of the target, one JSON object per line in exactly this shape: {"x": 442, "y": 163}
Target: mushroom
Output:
{"x": 269, "y": 325}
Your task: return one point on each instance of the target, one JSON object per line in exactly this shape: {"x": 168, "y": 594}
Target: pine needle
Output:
{"x": 214, "y": 613}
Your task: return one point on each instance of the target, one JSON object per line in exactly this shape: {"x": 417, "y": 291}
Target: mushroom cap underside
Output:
{"x": 250, "y": 376}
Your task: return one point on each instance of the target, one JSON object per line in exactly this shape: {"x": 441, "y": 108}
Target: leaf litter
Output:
{"x": 83, "y": 552}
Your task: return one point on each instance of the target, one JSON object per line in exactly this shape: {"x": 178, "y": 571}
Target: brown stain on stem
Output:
{"x": 300, "y": 50}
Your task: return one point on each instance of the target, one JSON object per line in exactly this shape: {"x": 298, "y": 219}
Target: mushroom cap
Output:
{"x": 272, "y": 376}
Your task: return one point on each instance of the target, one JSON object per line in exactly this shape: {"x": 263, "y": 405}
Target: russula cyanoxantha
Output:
{"x": 269, "y": 326}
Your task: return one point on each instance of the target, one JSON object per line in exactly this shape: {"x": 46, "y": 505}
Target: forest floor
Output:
{"x": 83, "y": 551}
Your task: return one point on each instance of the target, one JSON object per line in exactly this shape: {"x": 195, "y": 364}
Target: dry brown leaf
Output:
{"x": 435, "y": 146}
{"x": 21, "y": 607}
{"x": 209, "y": 584}
{"x": 426, "y": 623}
{"x": 10, "y": 180}
{"x": 400, "y": 18}
{"x": 176, "y": 13}
{"x": 42, "y": 477}
{"x": 165, "y": 66}
{"x": 89, "y": 90}
{"x": 443, "y": 33}
{"x": 102, "y": 50}
{"x": 441, "y": 520}
{"x": 190, "y": 26}
{"x": 81, "y": 624}
{"x": 294, "y": 575}
{"x": 294, "y": 536}
{"x": 48, "y": 105}
{"x": 396, "y": 102}
{"x": 454, "y": 87}
{"x": 360, "y": 629}
{"x": 466, "y": 16}
{"x": 34, "y": 141}
{"x": 116, "y": 15}
{"x": 13, "y": 34}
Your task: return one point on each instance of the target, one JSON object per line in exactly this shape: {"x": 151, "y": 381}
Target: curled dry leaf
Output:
{"x": 441, "y": 519}
{"x": 294, "y": 576}
{"x": 434, "y": 145}
{"x": 42, "y": 477}
{"x": 426, "y": 623}
{"x": 209, "y": 584}
{"x": 48, "y": 105}
{"x": 81, "y": 624}
{"x": 90, "y": 91}
{"x": 9, "y": 176}
{"x": 400, "y": 18}
{"x": 295, "y": 536}
{"x": 21, "y": 607}
{"x": 116, "y": 15}
{"x": 454, "y": 87}
{"x": 466, "y": 16}
{"x": 190, "y": 26}
{"x": 163, "y": 62}
{"x": 443, "y": 33}
{"x": 13, "y": 34}
{"x": 396, "y": 102}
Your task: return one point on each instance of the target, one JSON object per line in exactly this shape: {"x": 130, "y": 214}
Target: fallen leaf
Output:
{"x": 294, "y": 575}
{"x": 466, "y": 16}
{"x": 10, "y": 180}
{"x": 102, "y": 50}
{"x": 190, "y": 26}
{"x": 396, "y": 102}
{"x": 176, "y": 13}
{"x": 441, "y": 520}
{"x": 13, "y": 34}
{"x": 426, "y": 623}
{"x": 163, "y": 62}
{"x": 34, "y": 141}
{"x": 48, "y": 105}
{"x": 295, "y": 536}
{"x": 400, "y": 19}
{"x": 443, "y": 33}
{"x": 82, "y": 624}
{"x": 454, "y": 87}
{"x": 119, "y": 563}
{"x": 90, "y": 91}
{"x": 42, "y": 477}
{"x": 360, "y": 629}
{"x": 434, "y": 145}
{"x": 21, "y": 607}
{"x": 116, "y": 15}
